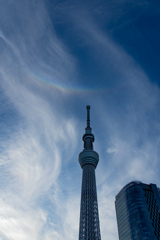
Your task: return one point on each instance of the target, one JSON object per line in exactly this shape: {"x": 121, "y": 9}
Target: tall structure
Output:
{"x": 89, "y": 228}
{"x": 138, "y": 212}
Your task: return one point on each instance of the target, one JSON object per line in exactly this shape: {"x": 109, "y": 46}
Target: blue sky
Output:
{"x": 56, "y": 57}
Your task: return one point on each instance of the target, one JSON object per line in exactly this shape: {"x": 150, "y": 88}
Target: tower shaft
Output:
{"x": 89, "y": 219}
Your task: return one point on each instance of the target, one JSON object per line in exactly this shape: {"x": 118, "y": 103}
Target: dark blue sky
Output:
{"x": 133, "y": 25}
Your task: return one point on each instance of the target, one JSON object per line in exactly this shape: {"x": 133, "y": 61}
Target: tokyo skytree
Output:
{"x": 89, "y": 228}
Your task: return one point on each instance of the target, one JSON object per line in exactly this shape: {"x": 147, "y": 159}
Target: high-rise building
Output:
{"x": 89, "y": 228}
{"x": 138, "y": 212}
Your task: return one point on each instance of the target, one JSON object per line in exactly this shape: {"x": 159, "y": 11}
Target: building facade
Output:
{"x": 89, "y": 228}
{"x": 138, "y": 212}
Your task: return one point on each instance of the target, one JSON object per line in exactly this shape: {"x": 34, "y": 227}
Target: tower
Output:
{"x": 89, "y": 228}
{"x": 138, "y": 212}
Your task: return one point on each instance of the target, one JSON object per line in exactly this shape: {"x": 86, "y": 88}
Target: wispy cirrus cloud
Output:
{"x": 32, "y": 156}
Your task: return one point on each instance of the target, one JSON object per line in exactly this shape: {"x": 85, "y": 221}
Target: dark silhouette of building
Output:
{"x": 138, "y": 212}
{"x": 89, "y": 228}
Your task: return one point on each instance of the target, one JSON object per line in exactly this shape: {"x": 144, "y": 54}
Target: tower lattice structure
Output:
{"x": 89, "y": 228}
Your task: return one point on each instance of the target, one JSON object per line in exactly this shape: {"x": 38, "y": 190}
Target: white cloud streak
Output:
{"x": 32, "y": 157}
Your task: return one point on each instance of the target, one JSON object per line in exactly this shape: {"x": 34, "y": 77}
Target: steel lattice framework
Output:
{"x": 88, "y": 159}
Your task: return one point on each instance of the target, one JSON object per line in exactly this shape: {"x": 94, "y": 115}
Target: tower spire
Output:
{"x": 88, "y": 116}
{"x": 88, "y": 137}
